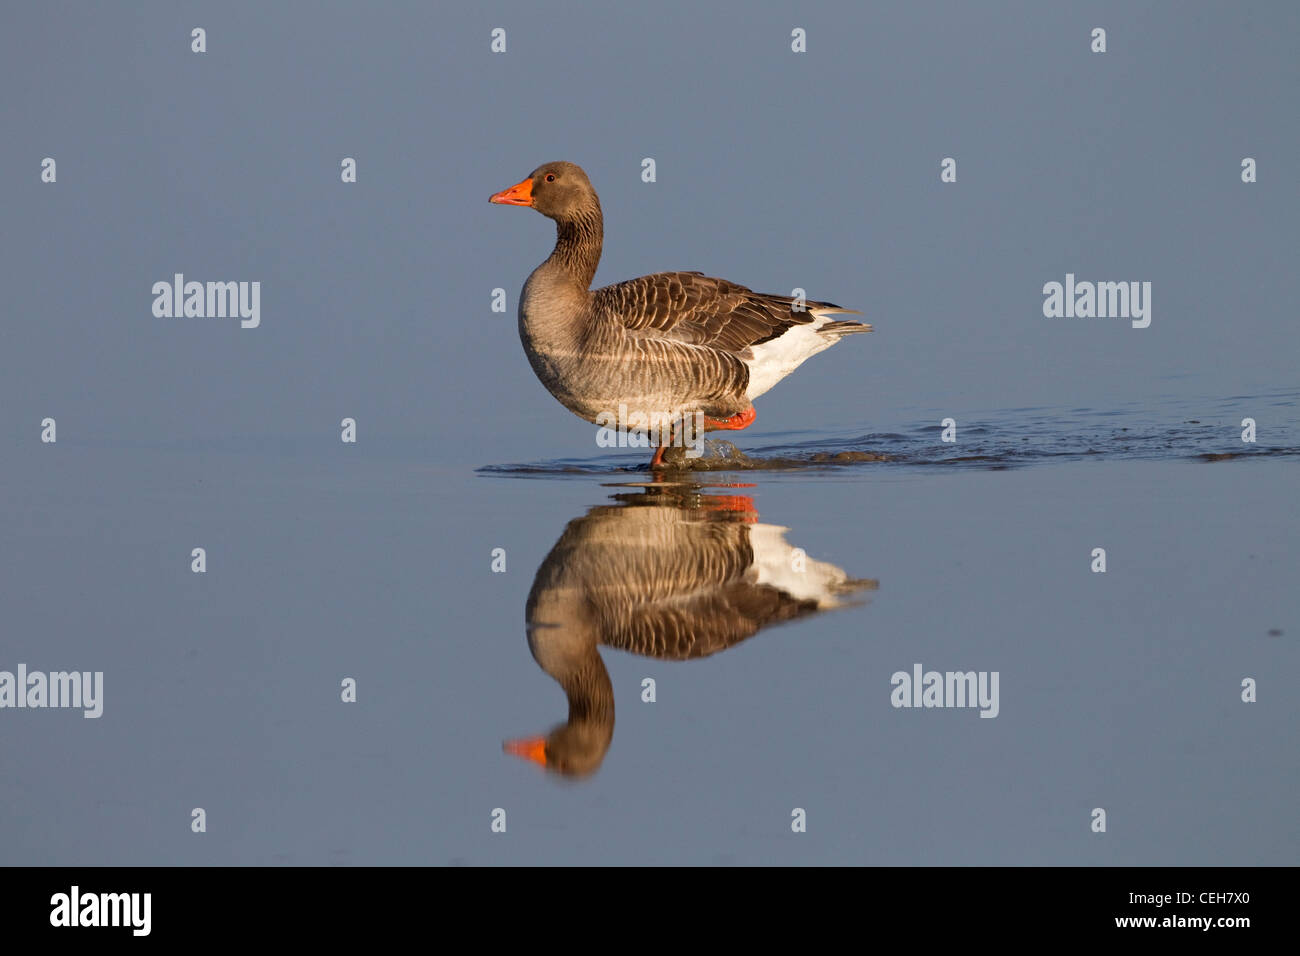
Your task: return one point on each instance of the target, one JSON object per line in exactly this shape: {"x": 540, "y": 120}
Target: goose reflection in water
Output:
{"x": 671, "y": 572}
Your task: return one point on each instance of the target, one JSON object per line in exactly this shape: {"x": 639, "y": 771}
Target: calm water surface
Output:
{"x": 772, "y": 691}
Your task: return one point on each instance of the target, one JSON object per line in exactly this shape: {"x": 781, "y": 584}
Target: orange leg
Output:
{"x": 658, "y": 460}
{"x": 734, "y": 423}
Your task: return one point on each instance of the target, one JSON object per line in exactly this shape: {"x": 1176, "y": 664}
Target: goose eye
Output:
{"x": 550, "y": 177}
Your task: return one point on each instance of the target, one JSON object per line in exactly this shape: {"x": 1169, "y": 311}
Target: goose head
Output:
{"x": 559, "y": 191}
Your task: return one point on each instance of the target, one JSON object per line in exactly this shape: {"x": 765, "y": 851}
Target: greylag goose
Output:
{"x": 668, "y": 574}
{"x": 668, "y": 345}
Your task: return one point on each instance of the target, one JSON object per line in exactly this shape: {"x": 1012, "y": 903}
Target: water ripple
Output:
{"x": 1207, "y": 431}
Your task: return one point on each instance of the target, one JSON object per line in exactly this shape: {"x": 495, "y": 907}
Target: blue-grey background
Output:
{"x": 776, "y": 170}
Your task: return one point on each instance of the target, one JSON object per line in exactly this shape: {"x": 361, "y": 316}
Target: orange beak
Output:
{"x": 520, "y": 194}
{"x": 530, "y": 748}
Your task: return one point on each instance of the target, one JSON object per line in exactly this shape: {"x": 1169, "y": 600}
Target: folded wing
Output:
{"x": 696, "y": 309}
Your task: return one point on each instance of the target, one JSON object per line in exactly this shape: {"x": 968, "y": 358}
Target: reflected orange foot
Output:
{"x": 736, "y": 504}
{"x": 735, "y": 422}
